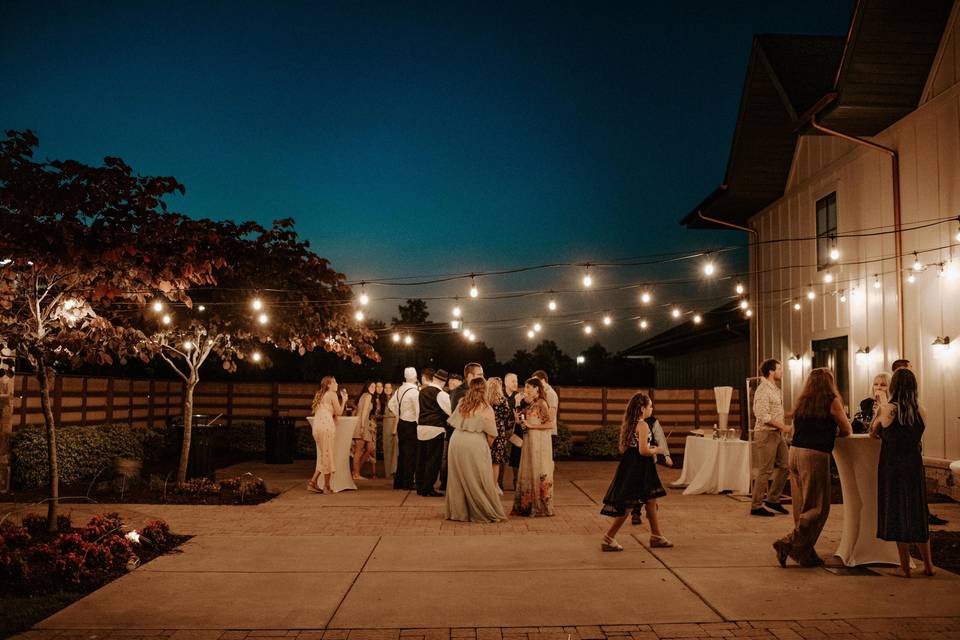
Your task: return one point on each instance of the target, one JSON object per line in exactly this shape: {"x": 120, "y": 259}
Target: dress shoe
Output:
{"x": 783, "y": 551}
{"x": 434, "y": 494}
{"x": 773, "y": 506}
{"x": 760, "y": 511}
{"x": 932, "y": 519}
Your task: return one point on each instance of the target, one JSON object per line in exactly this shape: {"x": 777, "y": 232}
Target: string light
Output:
{"x": 537, "y": 327}
{"x": 472, "y": 337}
{"x": 256, "y": 357}
{"x": 157, "y": 306}
{"x": 201, "y": 308}
{"x": 187, "y": 346}
{"x": 744, "y": 304}
{"x": 828, "y": 277}
{"x": 748, "y": 313}
{"x": 264, "y": 318}
{"x": 917, "y": 266}
{"x": 395, "y": 337}
{"x": 645, "y": 297}
{"x": 359, "y": 316}
{"x": 911, "y": 278}
{"x": 797, "y": 306}
{"x": 857, "y": 293}
{"x": 588, "y": 329}
{"x": 257, "y": 304}
{"x": 739, "y": 289}
{"x": 675, "y": 313}
{"x": 843, "y": 297}
{"x": 454, "y": 324}
{"x": 956, "y": 236}
{"x": 530, "y": 333}
{"x": 607, "y": 320}
{"x": 581, "y": 359}
{"x": 166, "y": 319}
{"x": 876, "y": 281}
{"x": 811, "y": 294}
{"x": 552, "y": 305}
{"x": 456, "y": 311}
{"x": 643, "y": 324}
{"x": 834, "y": 253}
{"x": 474, "y": 292}
{"x": 587, "y": 279}
{"x": 697, "y": 319}
{"x": 708, "y": 268}
{"x": 408, "y": 340}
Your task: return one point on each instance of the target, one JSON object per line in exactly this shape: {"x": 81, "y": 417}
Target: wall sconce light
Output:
{"x": 941, "y": 345}
{"x": 862, "y": 356}
{"x": 795, "y": 363}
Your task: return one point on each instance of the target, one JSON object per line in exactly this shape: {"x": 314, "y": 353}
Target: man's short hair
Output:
{"x": 428, "y": 374}
{"x": 471, "y": 368}
{"x": 455, "y": 376}
{"x": 541, "y": 374}
{"x": 902, "y": 363}
{"x": 767, "y": 366}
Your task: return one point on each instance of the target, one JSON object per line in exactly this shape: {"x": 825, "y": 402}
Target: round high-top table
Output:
{"x": 858, "y": 457}
{"x": 712, "y": 466}
{"x": 342, "y": 478}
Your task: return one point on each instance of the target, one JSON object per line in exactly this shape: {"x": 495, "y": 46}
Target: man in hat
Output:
{"x": 431, "y": 428}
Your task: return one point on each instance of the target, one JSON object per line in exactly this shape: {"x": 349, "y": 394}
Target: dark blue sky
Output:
{"x": 415, "y": 138}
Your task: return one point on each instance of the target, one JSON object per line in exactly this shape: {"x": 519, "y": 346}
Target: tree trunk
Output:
{"x": 187, "y": 429}
{"x": 44, "y": 377}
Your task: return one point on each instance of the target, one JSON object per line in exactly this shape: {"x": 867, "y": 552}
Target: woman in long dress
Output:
{"x": 326, "y": 406}
{"x": 505, "y": 424}
{"x": 901, "y": 487}
{"x": 534, "y": 493}
{"x": 365, "y": 434}
{"x": 471, "y": 489}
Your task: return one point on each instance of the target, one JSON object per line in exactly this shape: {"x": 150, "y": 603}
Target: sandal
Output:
{"x": 610, "y": 544}
{"x": 660, "y": 542}
{"x": 312, "y": 488}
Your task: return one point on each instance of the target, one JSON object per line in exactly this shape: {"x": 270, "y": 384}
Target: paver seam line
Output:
{"x": 541, "y": 570}
{"x": 326, "y": 625}
{"x": 581, "y": 490}
{"x": 682, "y": 581}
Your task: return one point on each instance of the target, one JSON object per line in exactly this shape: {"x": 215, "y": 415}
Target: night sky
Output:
{"x": 419, "y": 138}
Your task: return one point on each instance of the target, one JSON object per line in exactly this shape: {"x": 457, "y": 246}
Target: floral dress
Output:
{"x": 534, "y": 496}
{"x": 505, "y": 423}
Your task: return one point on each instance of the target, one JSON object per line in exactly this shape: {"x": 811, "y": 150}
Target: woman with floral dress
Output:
{"x": 534, "y": 495}
{"x": 505, "y": 424}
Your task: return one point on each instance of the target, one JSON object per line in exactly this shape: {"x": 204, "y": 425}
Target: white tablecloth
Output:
{"x": 712, "y": 466}
{"x": 342, "y": 478}
{"x": 858, "y": 457}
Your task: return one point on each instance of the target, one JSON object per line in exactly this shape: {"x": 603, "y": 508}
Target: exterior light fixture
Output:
{"x": 941, "y": 345}
{"x": 862, "y": 356}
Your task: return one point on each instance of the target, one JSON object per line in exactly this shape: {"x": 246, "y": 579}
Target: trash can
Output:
{"x": 280, "y": 437}
{"x": 201, "y": 463}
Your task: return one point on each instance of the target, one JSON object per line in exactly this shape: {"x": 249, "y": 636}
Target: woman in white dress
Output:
{"x": 326, "y": 406}
{"x": 534, "y": 494}
{"x": 471, "y": 489}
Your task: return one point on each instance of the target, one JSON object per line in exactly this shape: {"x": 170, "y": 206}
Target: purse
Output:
{"x": 516, "y": 440}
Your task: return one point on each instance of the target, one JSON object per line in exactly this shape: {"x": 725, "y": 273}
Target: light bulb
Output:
{"x": 587, "y": 280}
{"x": 709, "y": 269}
{"x": 811, "y": 294}
{"x": 187, "y": 346}
{"x": 645, "y": 297}
{"x": 395, "y": 337}
{"x": 358, "y": 316}
{"x": 834, "y": 254}
{"x": 643, "y": 324}
{"x": 588, "y": 329}
{"x": 454, "y": 324}
{"x": 828, "y": 277}
{"x": 911, "y": 278}
{"x": 257, "y": 304}
{"x": 675, "y": 313}
{"x": 607, "y": 320}
{"x": 201, "y": 308}
{"x": 472, "y": 337}
{"x": 739, "y": 289}
{"x": 581, "y": 359}
{"x": 264, "y": 318}
{"x": 256, "y": 356}
{"x": 876, "y": 281}
{"x": 166, "y": 319}
{"x": 537, "y": 327}
{"x": 552, "y": 305}
{"x": 474, "y": 292}
{"x": 749, "y": 313}
{"x": 796, "y": 306}
{"x": 697, "y": 319}
{"x": 364, "y": 299}
{"x": 843, "y": 297}
{"x": 157, "y": 306}
{"x": 744, "y": 304}
{"x": 530, "y": 333}
{"x": 408, "y": 340}
{"x": 456, "y": 312}
{"x": 917, "y": 266}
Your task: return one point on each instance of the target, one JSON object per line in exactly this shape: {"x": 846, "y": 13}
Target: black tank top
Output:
{"x": 814, "y": 433}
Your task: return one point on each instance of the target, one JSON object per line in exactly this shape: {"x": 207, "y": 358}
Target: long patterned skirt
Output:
{"x": 534, "y": 496}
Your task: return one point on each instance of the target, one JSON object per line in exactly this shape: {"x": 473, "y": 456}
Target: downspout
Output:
{"x": 897, "y": 223}
{"x": 756, "y": 237}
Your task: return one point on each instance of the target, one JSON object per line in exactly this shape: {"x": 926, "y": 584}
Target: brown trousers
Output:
{"x": 810, "y": 489}
{"x": 770, "y": 450}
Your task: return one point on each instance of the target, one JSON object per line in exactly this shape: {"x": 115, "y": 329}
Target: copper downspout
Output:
{"x": 897, "y": 231}
{"x": 757, "y": 271}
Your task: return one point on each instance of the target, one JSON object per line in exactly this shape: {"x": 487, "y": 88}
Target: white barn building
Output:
{"x": 805, "y": 177}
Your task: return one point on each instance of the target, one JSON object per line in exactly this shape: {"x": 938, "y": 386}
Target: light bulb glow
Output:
{"x": 643, "y": 324}
{"x": 744, "y": 304}
{"x": 364, "y": 299}
{"x": 917, "y": 265}
{"x": 911, "y": 278}
{"x": 581, "y": 359}
{"x": 740, "y": 289}
{"x": 843, "y": 297}
{"x": 530, "y": 333}
{"x": 537, "y": 327}
{"x": 395, "y": 337}
{"x": 256, "y": 357}
{"x": 454, "y": 324}
{"x": 587, "y": 280}
{"x": 257, "y": 304}
{"x": 263, "y": 318}
{"x": 552, "y": 305}
{"x": 749, "y": 313}
{"x": 675, "y": 313}
{"x": 201, "y": 308}
{"x": 645, "y": 297}
{"x": 408, "y": 340}
{"x": 607, "y": 320}
{"x": 359, "y": 316}
{"x": 472, "y": 337}
{"x": 811, "y": 294}
{"x": 187, "y": 346}
{"x": 834, "y": 254}
{"x": 796, "y": 306}
{"x": 588, "y": 329}
{"x": 697, "y": 318}
{"x": 828, "y": 277}
{"x": 709, "y": 269}
{"x": 956, "y": 236}
{"x": 166, "y": 319}
{"x": 876, "y": 281}
{"x": 157, "y": 306}
{"x": 456, "y": 311}
{"x": 474, "y": 292}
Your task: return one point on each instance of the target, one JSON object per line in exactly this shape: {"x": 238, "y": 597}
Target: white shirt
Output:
{"x": 409, "y": 409}
{"x": 767, "y": 405}
{"x": 428, "y": 432}
{"x": 553, "y": 402}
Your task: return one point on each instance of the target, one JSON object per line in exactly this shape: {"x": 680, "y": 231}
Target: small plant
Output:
{"x": 36, "y": 524}
{"x": 603, "y": 442}
{"x": 158, "y": 533}
{"x": 562, "y": 442}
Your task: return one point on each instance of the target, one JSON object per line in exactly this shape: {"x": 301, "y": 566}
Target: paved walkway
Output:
{"x": 383, "y": 564}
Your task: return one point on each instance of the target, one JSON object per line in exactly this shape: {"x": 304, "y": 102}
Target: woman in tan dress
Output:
{"x": 471, "y": 489}
{"x": 365, "y": 435}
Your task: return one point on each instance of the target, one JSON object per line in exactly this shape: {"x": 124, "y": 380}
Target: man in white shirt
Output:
{"x": 431, "y": 423}
{"x": 405, "y": 404}
{"x": 769, "y": 445}
{"x": 550, "y": 395}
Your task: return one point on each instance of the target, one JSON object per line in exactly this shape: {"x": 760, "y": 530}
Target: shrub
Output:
{"x": 101, "y": 525}
{"x": 306, "y": 447}
{"x": 36, "y": 524}
{"x": 603, "y": 442}
{"x": 562, "y": 442}
{"x": 82, "y": 452}
{"x": 15, "y": 538}
{"x": 158, "y": 533}
{"x": 247, "y": 437}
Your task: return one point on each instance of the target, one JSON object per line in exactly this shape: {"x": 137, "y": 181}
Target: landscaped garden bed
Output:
{"x": 43, "y": 572}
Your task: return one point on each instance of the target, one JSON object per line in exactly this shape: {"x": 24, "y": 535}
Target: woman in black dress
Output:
{"x": 506, "y": 422}
{"x": 901, "y": 486}
{"x": 636, "y": 481}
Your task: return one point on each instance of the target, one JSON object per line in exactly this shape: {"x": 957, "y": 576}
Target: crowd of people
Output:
{"x": 893, "y": 414}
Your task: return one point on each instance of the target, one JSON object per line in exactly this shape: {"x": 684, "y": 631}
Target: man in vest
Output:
{"x": 431, "y": 428}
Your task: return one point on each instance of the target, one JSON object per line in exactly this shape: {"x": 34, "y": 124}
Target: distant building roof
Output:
{"x": 725, "y": 323}
{"x": 860, "y": 85}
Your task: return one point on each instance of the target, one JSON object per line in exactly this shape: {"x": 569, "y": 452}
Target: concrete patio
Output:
{"x": 383, "y": 562}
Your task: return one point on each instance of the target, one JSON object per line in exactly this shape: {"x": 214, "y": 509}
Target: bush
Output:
{"x": 603, "y": 442}
{"x": 36, "y": 524}
{"x": 247, "y": 437}
{"x": 562, "y": 442}
{"x": 82, "y": 452}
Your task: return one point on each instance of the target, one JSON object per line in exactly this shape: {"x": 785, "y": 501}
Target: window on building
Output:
{"x": 826, "y": 229}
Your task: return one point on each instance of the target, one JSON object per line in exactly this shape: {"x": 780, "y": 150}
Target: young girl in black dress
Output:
{"x": 901, "y": 486}
{"x": 636, "y": 481}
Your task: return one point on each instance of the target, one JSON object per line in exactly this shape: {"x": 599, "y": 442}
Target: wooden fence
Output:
{"x": 82, "y": 400}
